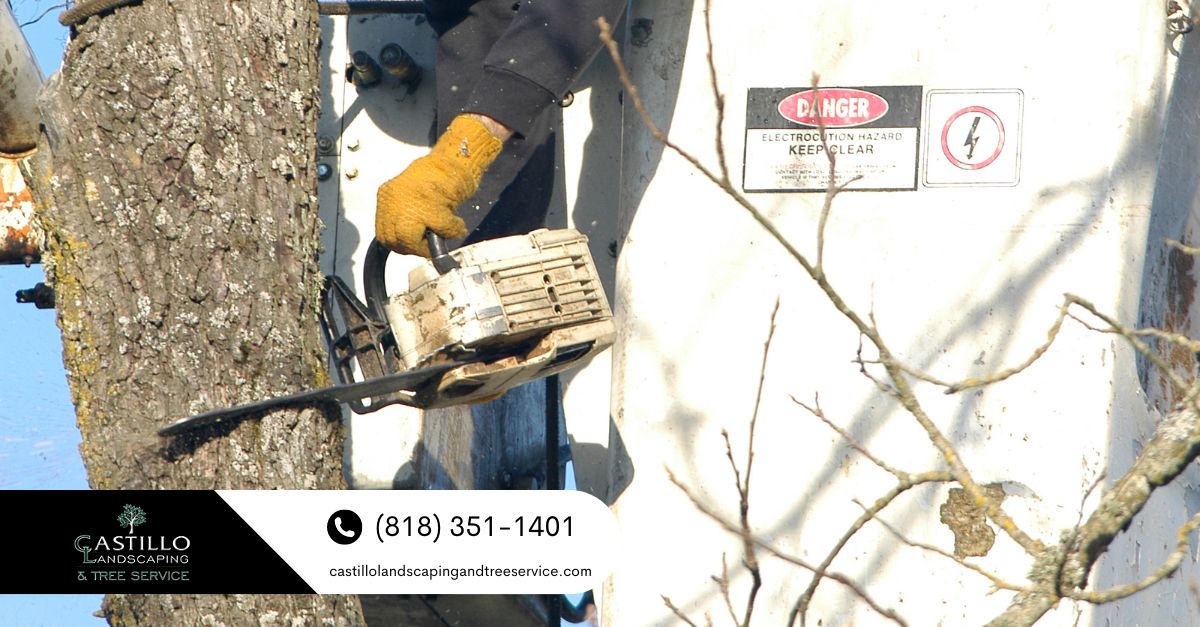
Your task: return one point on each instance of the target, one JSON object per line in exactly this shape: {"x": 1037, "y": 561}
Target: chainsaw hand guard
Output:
{"x": 361, "y": 344}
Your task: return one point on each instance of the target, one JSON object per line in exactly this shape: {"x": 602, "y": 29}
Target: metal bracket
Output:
{"x": 41, "y": 295}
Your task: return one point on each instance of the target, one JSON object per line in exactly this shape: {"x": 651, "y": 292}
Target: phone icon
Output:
{"x": 344, "y": 526}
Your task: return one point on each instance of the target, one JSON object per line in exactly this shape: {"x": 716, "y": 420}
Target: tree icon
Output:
{"x": 132, "y": 515}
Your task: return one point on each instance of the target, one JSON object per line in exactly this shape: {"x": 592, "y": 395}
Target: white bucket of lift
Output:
{"x": 1008, "y": 156}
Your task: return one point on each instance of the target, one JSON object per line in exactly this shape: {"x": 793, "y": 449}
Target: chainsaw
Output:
{"x": 474, "y": 323}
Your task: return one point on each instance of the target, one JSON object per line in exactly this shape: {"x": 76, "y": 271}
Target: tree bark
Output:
{"x": 176, "y": 182}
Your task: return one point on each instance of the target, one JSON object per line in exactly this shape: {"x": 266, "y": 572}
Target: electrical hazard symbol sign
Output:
{"x": 972, "y": 138}
{"x": 871, "y": 132}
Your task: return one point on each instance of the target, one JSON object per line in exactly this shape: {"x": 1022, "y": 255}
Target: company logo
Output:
{"x": 133, "y": 516}
{"x": 130, "y": 557}
{"x": 344, "y": 526}
{"x": 836, "y": 107}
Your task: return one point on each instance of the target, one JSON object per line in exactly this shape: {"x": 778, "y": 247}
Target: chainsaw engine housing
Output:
{"x": 520, "y": 308}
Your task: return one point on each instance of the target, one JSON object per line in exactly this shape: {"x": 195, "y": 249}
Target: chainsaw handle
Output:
{"x": 439, "y": 253}
{"x": 374, "y": 281}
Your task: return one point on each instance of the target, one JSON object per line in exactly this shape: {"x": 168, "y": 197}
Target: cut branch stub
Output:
{"x": 972, "y": 535}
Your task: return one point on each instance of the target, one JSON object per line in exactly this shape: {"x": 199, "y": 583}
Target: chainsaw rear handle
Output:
{"x": 374, "y": 281}
{"x": 439, "y": 253}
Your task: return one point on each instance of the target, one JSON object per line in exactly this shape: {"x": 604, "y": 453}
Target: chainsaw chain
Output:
{"x": 83, "y": 9}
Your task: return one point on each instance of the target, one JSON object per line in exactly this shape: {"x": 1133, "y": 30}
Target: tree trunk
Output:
{"x": 177, "y": 185}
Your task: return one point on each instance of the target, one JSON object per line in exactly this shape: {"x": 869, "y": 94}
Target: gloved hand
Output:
{"x": 425, "y": 195}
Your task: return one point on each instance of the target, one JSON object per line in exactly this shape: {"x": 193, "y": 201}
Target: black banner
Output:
{"x": 136, "y": 541}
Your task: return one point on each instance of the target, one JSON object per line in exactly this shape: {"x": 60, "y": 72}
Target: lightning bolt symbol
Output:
{"x": 972, "y": 139}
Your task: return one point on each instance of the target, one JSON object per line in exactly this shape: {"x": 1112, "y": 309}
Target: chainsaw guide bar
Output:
{"x": 346, "y": 393}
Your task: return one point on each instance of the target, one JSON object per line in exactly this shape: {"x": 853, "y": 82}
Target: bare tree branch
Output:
{"x": 905, "y": 393}
{"x": 51, "y": 8}
{"x": 1051, "y": 335}
{"x": 790, "y": 559}
{"x": 1183, "y": 248}
{"x": 850, "y": 441}
{"x": 1166, "y": 569}
{"x": 1060, "y": 571}
{"x": 832, "y": 189}
{"x": 723, "y": 583}
{"x": 906, "y": 483}
{"x": 1175, "y": 445}
{"x": 677, "y": 612}
{"x": 718, "y": 97}
{"x": 1134, "y": 339}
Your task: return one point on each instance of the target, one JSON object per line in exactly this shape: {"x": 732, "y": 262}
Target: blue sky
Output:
{"x": 38, "y": 438}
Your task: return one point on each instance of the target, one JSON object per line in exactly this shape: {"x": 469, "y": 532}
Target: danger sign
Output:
{"x": 836, "y": 108}
{"x": 872, "y": 131}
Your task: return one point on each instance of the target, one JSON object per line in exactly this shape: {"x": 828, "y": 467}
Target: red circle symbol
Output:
{"x": 999, "y": 141}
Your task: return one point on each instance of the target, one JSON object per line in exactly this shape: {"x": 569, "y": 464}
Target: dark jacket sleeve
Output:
{"x": 545, "y": 48}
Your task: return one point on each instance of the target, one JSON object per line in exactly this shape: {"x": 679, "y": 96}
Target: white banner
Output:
{"x": 423, "y": 542}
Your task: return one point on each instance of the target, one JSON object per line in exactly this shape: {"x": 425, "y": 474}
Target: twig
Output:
{"x": 832, "y": 189}
{"x": 850, "y": 441}
{"x": 1177, "y": 339}
{"x": 1072, "y": 541}
{"x": 790, "y": 559}
{"x": 749, "y": 560}
{"x": 1183, "y": 248}
{"x": 743, "y": 486}
{"x": 906, "y": 483}
{"x": 718, "y": 97}
{"x": 1051, "y": 335}
{"x": 60, "y": 5}
{"x": 1138, "y": 344}
{"x": 677, "y": 612}
{"x": 758, "y": 395}
{"x": 723, "y": 584}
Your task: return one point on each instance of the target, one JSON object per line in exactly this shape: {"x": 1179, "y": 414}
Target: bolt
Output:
{"x": 324, "y": 171}
{"x": 354, "y": 145}
{"x": 352, "y": 173}
{"x": 324, "y": 145}
{"x": 363, "y": 71}
{"x": 398, "y": 63}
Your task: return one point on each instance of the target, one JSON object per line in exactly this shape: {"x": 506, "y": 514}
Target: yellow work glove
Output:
{"x": 425, "y": 195}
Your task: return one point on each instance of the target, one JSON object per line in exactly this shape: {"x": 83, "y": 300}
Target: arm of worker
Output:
{"x": 544, "y": 50}
{"x": 425, "y": 195}
{"x": 541, "y": 54}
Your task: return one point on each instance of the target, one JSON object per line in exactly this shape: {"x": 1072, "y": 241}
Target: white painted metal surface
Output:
{"x": 963, "y": 274}
{"x": 370, "y": 135}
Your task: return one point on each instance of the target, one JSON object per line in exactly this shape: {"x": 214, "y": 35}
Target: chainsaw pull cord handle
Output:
{"x": 374, "y": 281}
